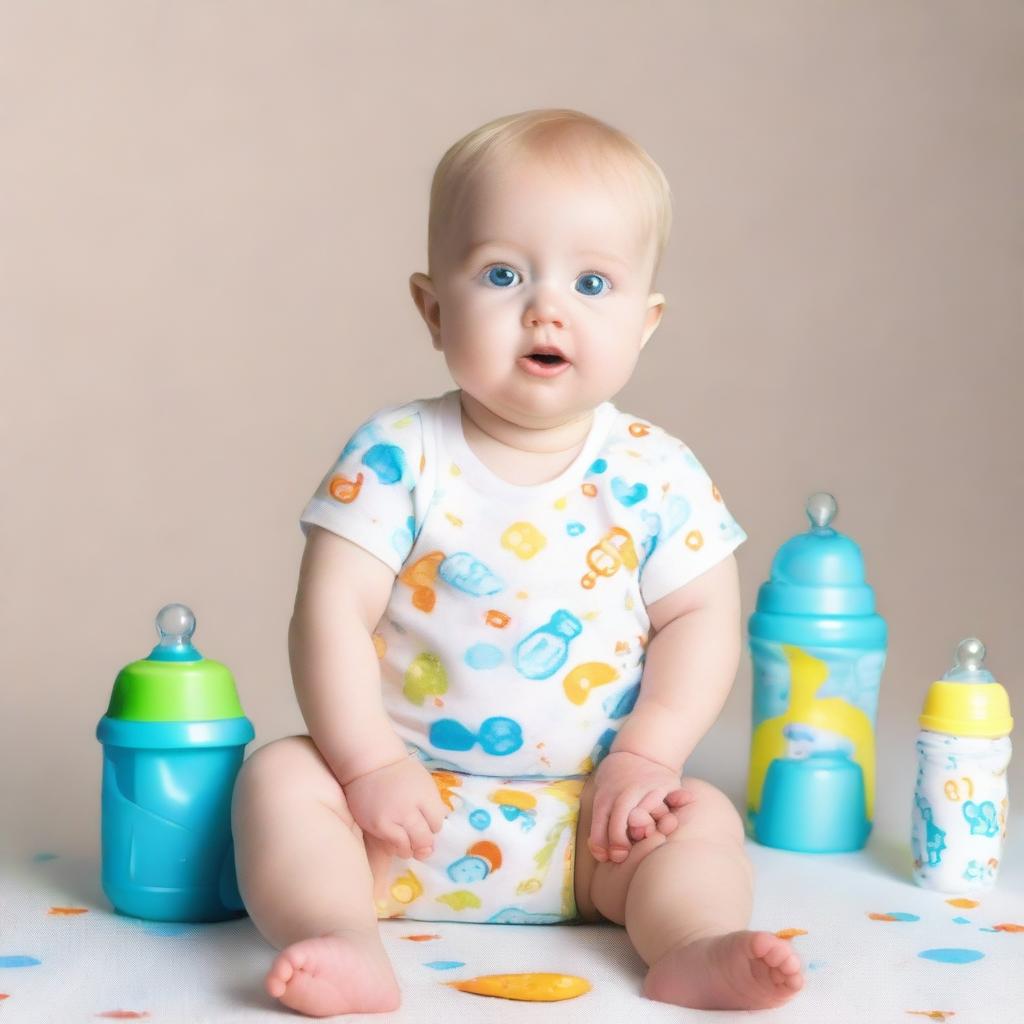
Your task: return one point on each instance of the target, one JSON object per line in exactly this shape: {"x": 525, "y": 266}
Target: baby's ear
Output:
{"x": 423, "y": 294}
{"x": 655, "y": 311}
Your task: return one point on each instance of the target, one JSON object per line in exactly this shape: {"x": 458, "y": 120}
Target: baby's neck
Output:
{"x": 484, "y": 426}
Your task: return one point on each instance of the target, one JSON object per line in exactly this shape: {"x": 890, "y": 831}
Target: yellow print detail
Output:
{"x": 523, "y": 540}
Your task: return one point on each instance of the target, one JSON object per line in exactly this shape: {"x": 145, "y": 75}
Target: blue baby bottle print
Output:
{"x": 818, "y": 649}
{"x": 544, "y": 651}
{"x": 173, "y": 737}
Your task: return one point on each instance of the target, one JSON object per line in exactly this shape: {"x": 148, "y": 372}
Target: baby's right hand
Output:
{"x": 400, "y": 804}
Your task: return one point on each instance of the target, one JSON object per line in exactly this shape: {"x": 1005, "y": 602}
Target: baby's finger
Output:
{"x": 619, "y": 841}
{"x": 435, "y": 812}
{"x": 398, "y": 839}
{"x": 421, "y": 839}
{"x": 677, "y": 798}
{"x": 667, "y": 824}
{"x": 598, "y": 838}
{"x": 640, "y": 824}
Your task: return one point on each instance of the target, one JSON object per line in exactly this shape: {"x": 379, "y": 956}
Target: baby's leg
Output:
{"x": 304, "y": 877}
{"x": 685, "y": 900}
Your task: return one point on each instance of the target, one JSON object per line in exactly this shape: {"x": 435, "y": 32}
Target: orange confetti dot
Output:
{"x": 1009, "y": 927}
{"x": 882, "y": 917}
{"x": 939, "y": 1015}
{"x": 589, "y": 490}
{"x": 964, "y": 903}
{"x": 639, "y": 429}
{"x": 67, "y": 911}
{"x": 621, "y": 647}
{"x": 124, "y": 1014}
{"x": 694, "y": 540}
{"x": 420, "y": 938}
{"x": 499, "y": 620}
{"x": 715, "y": 493}
{"x": 790, "y": 933}
{"x": 438, "y": 703}
{"x": 4, "y": 995}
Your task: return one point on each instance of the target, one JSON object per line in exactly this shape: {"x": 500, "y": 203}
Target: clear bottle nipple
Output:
{"x": 175, "y": 623}
{"x": 821, "y": 509}
{"x": 969, "y": 663}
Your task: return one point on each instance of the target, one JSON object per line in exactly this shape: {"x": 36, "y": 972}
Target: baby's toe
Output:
{"x": 281, "y": 972}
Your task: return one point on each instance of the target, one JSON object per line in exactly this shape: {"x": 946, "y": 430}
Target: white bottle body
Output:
{"x": 961, "y": 804}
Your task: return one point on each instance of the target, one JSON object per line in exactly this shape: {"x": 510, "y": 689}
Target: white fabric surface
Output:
{"x": 858, "y": 969}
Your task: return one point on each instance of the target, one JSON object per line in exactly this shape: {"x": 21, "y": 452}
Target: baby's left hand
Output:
{"x": 633, "y": 798}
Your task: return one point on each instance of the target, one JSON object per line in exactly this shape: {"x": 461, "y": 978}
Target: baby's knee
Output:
{"x": 286, "y": 768}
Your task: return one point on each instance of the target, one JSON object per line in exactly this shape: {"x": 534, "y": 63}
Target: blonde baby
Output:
{"x": 517, "y": 614}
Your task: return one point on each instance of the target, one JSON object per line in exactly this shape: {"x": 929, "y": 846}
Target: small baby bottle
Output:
{"x": 958, "y": 823}
{"x": 818, "y": 648}
{"x": 173, "y": 740}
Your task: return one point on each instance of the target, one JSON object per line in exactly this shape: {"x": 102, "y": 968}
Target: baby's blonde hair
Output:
{"x": 575, "y": 139}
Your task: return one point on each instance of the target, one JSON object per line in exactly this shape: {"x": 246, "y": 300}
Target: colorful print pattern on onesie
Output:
{"x": 513, "y": 643}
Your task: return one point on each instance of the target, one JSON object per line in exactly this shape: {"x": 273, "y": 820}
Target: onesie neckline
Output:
{"x": 489, "y": 482}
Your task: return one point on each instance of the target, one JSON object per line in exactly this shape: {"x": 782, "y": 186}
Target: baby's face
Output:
{"x": 543, "y": 260}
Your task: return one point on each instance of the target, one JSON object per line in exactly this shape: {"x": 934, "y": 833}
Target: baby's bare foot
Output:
{"x": 739, "y": 971}
{"x": 343, "y": 972}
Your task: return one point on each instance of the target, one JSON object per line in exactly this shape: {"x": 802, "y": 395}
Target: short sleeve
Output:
{"x": 694, "y": 529}
{"x": 367, "y": 496}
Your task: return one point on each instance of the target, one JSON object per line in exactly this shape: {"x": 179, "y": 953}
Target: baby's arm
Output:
{"x": 689, "y": 669}
{"x": 342, "y": 593}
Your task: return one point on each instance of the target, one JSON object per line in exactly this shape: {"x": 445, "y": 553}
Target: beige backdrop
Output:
{"x": 208, "y": 216}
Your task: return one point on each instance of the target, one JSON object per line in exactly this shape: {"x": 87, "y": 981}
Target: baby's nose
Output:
{"x": 543, "y": 308}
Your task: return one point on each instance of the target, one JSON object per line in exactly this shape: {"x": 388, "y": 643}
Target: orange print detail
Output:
{"x": 438, "y": 703}
{"x": 423, "y": 462}
{"x": 488, "y": 851}
{"x": 344, "y": 490}
{"x": 419, "y": 938}
{"x": 694, "y": 540}
{"x": 499, "y": 620}
{"x": 446, "y": 782}
{"x": 715, "y": 493}
{"x": 790, "y": 933}
{"x": 589, "y": 490}
{"x": 1009, "y": 927}
{"x": 421, "y": 576}
{"x": 639, "y": 429}
{"x": 380, "y": 646}
{"x": 621, "y": 647}
{"x": 67, "y": 911}
{"x": 423, "y": 598}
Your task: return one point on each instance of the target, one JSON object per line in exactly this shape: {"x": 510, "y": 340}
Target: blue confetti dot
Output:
{"x": 574, "y": 529}
{"x": 898, "y": 915}
{"x": 444, "y": 965}
{"x": 598, "y": 466}
{"x": 483, "y": 656}
{"x": 961, "y": 920}
{"x": 952, "y": 956}
{"x": 19, "y": 961}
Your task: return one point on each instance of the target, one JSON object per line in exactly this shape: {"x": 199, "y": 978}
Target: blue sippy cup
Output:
{"x": 173, "y": 740}
{"x": 818, "y": 649}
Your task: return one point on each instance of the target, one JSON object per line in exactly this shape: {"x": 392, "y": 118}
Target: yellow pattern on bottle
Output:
{"x": 807, "y": 675}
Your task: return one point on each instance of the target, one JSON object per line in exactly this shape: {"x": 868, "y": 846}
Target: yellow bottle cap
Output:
{"x": 968, "y": 701}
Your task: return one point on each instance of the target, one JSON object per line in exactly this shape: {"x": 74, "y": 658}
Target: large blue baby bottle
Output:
{"x": 818, "y": 649}
{"x": 173, "y": 740}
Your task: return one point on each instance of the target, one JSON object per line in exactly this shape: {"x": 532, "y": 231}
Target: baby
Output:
{"x": 517, "y": 614}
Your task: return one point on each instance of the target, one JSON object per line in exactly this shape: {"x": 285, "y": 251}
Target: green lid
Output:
{"x": 175, "y": 683}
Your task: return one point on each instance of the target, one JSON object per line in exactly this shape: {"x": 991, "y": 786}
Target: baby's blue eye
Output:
{"x": 501, "y": 276}
{"x": 593, "y": 281}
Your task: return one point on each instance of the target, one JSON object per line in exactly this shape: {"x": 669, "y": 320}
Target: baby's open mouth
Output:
{"x": 545, "y": 357}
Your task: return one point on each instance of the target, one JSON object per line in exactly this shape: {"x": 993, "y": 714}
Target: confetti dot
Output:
{"x": 1009, "y": 928}
{"x": 444, "y": 965}
{"x": 951, "y": 956}
{"x": 963, "y": 903}
{"x": 790, "y": 933}
{"x": 961, "y": 920}
{"x": 19, "y": 961}
{"x": 420, "y": 938}
{"x": 67, "y": 911}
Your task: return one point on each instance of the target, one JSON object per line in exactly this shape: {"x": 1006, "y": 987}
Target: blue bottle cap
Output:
{"x": 817, "y": 588}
